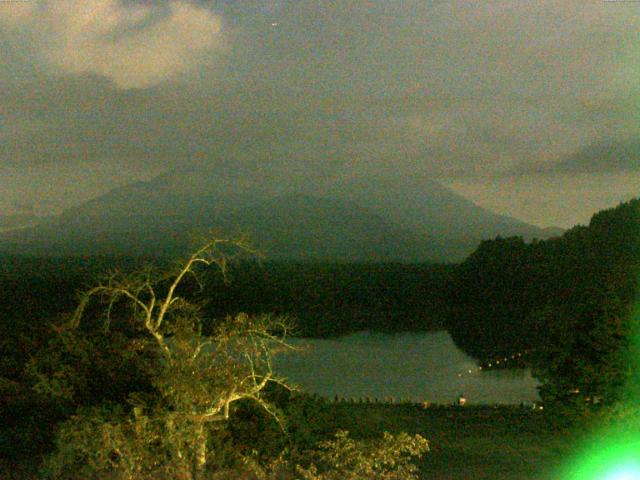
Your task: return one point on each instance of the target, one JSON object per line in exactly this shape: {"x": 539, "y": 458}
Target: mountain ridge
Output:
{"x": 383, "y": 218}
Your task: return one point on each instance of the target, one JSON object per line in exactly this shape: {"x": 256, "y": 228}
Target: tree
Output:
{"x": 343, "y": 458}
{"x": 195, "y": 371}
{"x": 154, "y": 385}
{"x": 568, "y": 300}
{"x": 346, "y": 459}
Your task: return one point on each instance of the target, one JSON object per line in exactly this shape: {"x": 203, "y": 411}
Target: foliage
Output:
{"x": 185, "y": 381}
{"x": 567, "y": 300}
{"x": 332, "y": 299}
{"x": 346, "y": 459}
{"x": 341, "y": 458}
{"x": 131, "y": 392}
{"x": 306, "y": 420}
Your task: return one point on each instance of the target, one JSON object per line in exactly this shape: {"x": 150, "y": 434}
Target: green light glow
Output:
{"x": 613, "y": 457}
{"x": 614, "y": 452}
{"x": 625, "y": 472}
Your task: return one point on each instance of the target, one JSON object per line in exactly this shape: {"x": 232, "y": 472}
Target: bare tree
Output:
{"x": 197, "y": 376}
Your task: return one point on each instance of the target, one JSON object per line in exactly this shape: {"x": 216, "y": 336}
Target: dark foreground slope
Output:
{"x": 483, "y": 443}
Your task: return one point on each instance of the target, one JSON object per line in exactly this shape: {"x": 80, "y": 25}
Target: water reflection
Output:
{"x": 413, "y": 366}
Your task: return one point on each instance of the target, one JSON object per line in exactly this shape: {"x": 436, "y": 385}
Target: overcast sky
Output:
{"x": 531, "y": 108}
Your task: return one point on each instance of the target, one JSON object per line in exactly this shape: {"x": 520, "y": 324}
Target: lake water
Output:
{"x": 416, "y": 366}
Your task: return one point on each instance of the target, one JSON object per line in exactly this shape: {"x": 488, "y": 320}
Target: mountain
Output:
{"x": 419, "y": 203}
{"x": 308, "y": 227}
{"x": 355, "y": 219}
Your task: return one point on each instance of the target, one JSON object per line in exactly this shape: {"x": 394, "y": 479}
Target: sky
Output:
{"x": 530, "y": 108}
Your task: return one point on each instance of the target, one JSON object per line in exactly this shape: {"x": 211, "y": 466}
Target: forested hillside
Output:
{"x": 331, "y": 299}
{"x": 567, "y": 299}
{"x": 322, "y": 299}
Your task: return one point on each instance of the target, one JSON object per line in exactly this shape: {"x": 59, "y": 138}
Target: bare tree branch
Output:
{"x": 202, "y": 376}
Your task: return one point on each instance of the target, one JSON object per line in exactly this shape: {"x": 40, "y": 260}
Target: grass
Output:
{"x": 504, "y": 443}
{"x": 467, "y": 443}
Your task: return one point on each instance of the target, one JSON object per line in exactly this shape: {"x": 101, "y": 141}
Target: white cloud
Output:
{"x": 134, "y": 45}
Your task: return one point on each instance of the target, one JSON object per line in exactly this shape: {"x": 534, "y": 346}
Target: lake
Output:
{"x": 415, "y": 366}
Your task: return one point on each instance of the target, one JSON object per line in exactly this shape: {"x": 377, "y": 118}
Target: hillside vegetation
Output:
{"x": 568, "y": 300}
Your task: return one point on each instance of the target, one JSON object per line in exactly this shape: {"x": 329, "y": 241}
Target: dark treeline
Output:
{"x": 331, "y": 299}
{"x": 322, "y": 299}
{"x": 35, "y": 287}
{"x": 567, "y": 299}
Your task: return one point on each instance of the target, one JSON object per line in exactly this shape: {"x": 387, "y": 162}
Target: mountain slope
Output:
{"x": 306, "y": 227}
{"x": 381, "y": 219}
{"x": 420, "y": 203}
{"x": 18, "y": 221}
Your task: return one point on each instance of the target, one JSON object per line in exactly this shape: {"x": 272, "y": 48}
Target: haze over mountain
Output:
{"x": 527, "y": 108}
{"x": 19, "y": 220}
{"x": 375, "y": 218}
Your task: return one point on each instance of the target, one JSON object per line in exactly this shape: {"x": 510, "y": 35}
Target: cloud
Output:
{"x": 459, "y": 90}
{"x": 562, "y": 200}
{"x": 135, "y": 45}
{"x": 603, "y": 157}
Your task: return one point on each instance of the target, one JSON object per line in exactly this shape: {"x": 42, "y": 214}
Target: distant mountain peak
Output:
{"x": 360, "y": 218}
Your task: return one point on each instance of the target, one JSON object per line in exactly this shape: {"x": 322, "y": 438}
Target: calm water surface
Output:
{"x": 414, "y": 366}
